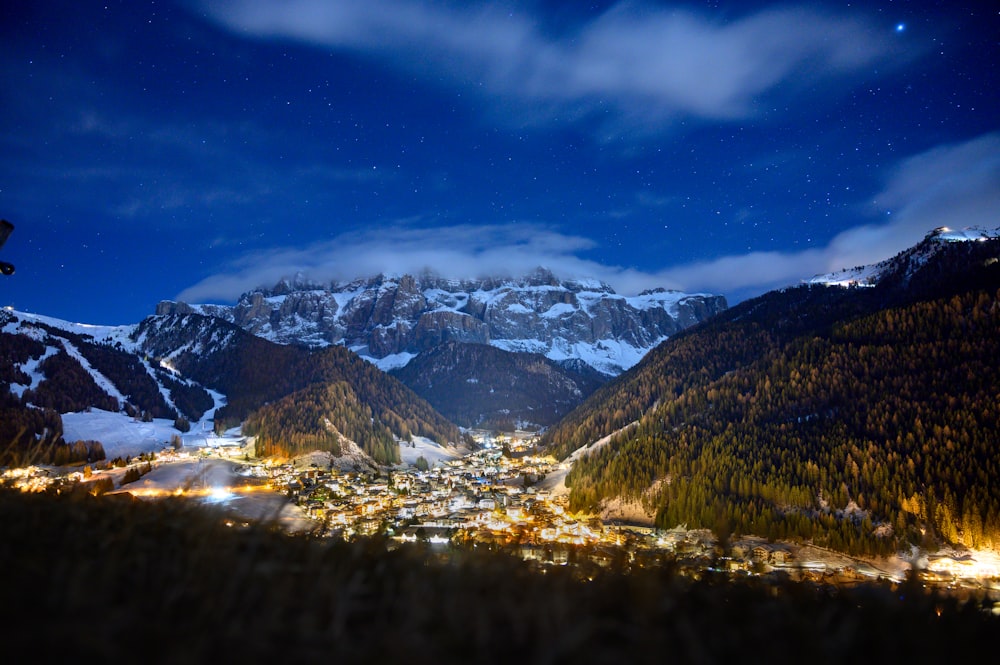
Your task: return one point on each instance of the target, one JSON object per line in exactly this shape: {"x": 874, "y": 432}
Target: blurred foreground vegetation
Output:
{"x": 114, "y": 579}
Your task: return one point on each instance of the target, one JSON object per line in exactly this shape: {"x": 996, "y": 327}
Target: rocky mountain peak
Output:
{"x": 390, "y": 318}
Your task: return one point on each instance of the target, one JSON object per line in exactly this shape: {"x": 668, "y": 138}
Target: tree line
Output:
{"x": 253, "y": 372}
{"x": 319, "y": 418}
{"x": 858, "y": 418}
{"x": 888, "y": 420}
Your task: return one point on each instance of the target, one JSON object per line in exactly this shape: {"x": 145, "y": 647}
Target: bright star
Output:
{"x": 900, "y": 27}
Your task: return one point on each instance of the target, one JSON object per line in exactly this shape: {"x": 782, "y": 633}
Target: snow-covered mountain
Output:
{"x": 907, "y": 261}
{"x": 101, "y": 383}
{"x": 388, "y": 319}
{"x": 201, "y": 373}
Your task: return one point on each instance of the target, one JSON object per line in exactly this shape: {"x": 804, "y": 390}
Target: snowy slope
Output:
{"x": 120, "y": 433}
{"x": 124, "y": 436}
{"x": 866, "y": 276}
{"x": 100, "y": 334}
{"x": 435, "y": 454}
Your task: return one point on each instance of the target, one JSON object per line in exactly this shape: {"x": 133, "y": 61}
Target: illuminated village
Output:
{"x": 495, "y": 498}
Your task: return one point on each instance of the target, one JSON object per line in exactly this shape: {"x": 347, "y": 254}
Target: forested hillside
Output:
{"x": 320, "y": 417}
{"x": 253, "y": 372}
{"x": 47, "y": 370}
{"x": 477, "y": 385}
{"x": 859, "y": 418}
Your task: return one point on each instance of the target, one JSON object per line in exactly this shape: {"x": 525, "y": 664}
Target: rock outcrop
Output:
{"x": 389, "y": 319}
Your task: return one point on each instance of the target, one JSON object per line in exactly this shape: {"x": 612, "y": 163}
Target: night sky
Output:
{"x": 196, "y": 150}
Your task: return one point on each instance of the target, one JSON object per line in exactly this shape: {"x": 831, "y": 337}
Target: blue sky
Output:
{"x": 195, "y": 150}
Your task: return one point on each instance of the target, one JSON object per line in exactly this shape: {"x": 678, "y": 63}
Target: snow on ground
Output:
{"x": 103, "y": 382}
{"x": 668, "y": 300}
{"x": 608, "y": 356}
{"x": 101, "y": 334}
{"x": 555, "y": 481}
{"x": 31, "y": 369}
{"x": 558, "y": 311}
{"x": 391, "y": 361}
{"x": 970, "y": 233}
{"x": 446, "y": 301}
{"x": 870, "y": 274}
{"x": 351, "y": 458}
{"x": 216, "y": 478}
{"x": 810, "y": 556}
{"x": 435, "y": 454}
{"x": 521, "y": 345}
{"x": 123, "y": 436}
{"x": 860, "y": 276}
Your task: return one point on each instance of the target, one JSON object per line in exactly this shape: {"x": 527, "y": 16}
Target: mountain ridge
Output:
{"x": 389, "y": 319}
{"x": 859, "y": 418}
{"x": 190, "y": 368}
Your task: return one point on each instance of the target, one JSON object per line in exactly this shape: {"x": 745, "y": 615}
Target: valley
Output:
{"x": 824, "y": 431}
{"x": 534, "y": 332}
{"x": 502, "y": 497}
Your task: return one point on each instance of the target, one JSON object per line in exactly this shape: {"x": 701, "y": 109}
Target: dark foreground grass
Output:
{"x": 111, "y": 579}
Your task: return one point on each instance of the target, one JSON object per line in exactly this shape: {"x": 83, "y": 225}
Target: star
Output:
{"x": 900, "y": 27}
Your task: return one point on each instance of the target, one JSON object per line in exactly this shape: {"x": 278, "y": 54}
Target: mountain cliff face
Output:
{"x": 390, "y": 319}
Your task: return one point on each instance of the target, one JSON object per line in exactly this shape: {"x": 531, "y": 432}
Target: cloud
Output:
{"x": 956, "y": 185}
{"x": 461, "y": 251}
{"x": 647, "y": 64}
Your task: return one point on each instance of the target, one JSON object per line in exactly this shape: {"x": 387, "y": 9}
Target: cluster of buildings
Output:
{"x": 488, "y": 499}
{"x": 488, "y": 496}
{"x": 493, "y": 498}
{"x": 27, "y": 478}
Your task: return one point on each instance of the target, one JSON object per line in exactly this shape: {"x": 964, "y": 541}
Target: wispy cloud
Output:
{"x": 954, "y": 185}
{"x": 462, "y": 251}
{"x": 646, "y": 64}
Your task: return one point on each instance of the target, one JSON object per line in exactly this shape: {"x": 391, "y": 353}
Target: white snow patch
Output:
{"x": 446, "y": 301}
{"x": 559, "y": 310}
{"x": 102, "y": 381}
{"x": 971, "y": 233}
{"x": 100, "y": 334}
{"x": 218, "y": 476}
{"x": 435, "y": 454}
{"x": 655, "y": 299}
{"x": 123, "y": 436}
{"x": 521, "y": 345}
{"x": 608, "y": 356}
{"x": 869, "y": 275}
{"x": 31, "y": 369}
{"x": 518, "y": 308}
{"x": 351, "y": 458}
{"x": 555, "y": 480}
{"x": 860, "y": 276}
{"x": 391, "y": 361}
